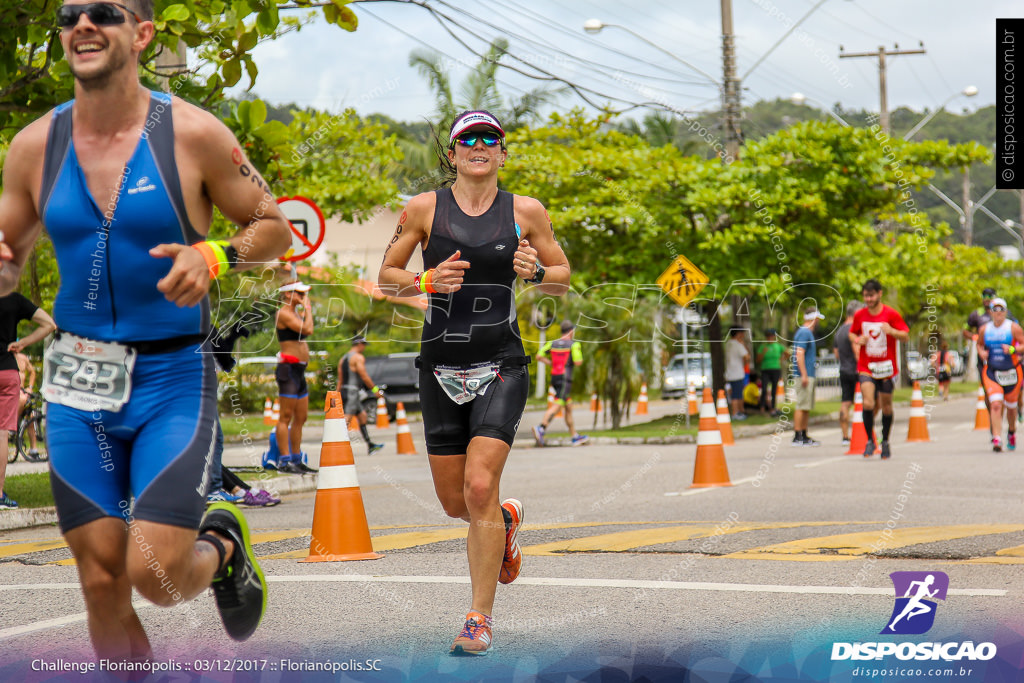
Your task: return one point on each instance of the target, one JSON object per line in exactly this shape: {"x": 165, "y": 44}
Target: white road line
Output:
{"x": 819, "y": 463}
{"x": 13, "y": 632}
{"x": 963, "y": 427}
{"x": 693, "y": 492}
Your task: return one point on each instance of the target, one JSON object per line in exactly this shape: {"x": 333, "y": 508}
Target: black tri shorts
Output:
{"x": 291, "y": 380}
{"x": 449, "y": 427}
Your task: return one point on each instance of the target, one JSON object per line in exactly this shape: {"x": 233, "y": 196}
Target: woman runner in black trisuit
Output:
{"x": 476, "y": 242}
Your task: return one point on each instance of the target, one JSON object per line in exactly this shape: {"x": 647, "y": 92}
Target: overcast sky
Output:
{"x": 325, "y": 67}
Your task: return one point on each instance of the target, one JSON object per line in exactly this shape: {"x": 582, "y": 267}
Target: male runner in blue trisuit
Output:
{"x": 125, "y": 180}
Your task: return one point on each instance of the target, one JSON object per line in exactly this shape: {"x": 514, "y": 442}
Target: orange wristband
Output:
{"x": 425, "y": 282}
{"x": 215, "y": 261}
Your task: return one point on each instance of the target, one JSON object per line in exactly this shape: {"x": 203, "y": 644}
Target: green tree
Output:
{"x": 34, "y": 76}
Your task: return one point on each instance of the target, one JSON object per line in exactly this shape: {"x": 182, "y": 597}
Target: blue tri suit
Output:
{"x": 158, "y": 448}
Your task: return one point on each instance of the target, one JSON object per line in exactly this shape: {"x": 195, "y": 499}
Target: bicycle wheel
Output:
{"x": 24, "y": 443}
{"x": 12, "y": 448}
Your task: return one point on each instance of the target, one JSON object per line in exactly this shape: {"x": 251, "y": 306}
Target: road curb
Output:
{"x": 740, "y": 432}
{"x": 23, "y": 518}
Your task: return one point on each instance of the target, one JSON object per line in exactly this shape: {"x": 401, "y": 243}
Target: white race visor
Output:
{"x": 293, "y": 287}
{"x": 471, "y": 119}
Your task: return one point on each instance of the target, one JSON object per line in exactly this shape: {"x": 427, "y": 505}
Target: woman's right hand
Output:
{"x": 447, "y": 276}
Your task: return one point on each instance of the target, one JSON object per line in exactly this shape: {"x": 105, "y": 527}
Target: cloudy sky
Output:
{"x": 369, "y": 69}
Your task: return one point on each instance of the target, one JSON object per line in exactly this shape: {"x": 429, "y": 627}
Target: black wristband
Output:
{"x": 232, "y": 256}
{"x": 538, "y": 276}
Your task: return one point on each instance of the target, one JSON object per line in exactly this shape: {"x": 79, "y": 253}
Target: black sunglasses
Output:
{"x": 99, "y": 13}
{"x": 469, "y": 139}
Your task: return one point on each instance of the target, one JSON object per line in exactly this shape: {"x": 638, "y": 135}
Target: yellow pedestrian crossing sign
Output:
{"x": 682, "y": 280}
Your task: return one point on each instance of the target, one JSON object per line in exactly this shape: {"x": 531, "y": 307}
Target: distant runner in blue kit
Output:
{"x": 125, "y": 181}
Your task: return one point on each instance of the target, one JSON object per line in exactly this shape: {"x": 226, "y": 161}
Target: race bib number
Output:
{"x": 87, "y": 375}
{"x": 462, "y": 385}
{"x": 881, "y": 369}
{"x": 1006, "y": 378}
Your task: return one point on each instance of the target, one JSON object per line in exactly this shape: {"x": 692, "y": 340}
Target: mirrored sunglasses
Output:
{"x": 998, "y": 308}
{"x": 469, "y": 139}
{"x": 99, "y": 13}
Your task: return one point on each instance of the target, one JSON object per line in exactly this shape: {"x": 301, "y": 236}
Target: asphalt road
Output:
{"x": 626, "y": 568}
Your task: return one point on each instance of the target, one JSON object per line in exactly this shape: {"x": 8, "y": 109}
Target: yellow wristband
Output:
{"x": 215, "y": 255}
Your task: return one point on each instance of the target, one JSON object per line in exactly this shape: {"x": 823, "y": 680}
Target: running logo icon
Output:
{"x": 916, "y": 592}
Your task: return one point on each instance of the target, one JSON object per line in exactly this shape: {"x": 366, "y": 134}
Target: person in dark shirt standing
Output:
{"x": 563, "y": 354}
{"x": 13, "y": 309}
{"x": 846, "y": 354}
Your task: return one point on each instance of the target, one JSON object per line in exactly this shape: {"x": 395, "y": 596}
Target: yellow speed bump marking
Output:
{"x": 31, "y": 547}
{"x": 1014, "y": 555}
{"x": 627, "y": 540}
{"x": 849, "y": 546}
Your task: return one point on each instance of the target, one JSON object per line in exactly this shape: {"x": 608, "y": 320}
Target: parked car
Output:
{"x": 397, "y": 374}
{"x": 917, "y": 367}
{"x": 826, "y": 373}
{"x": 696, "y": 375}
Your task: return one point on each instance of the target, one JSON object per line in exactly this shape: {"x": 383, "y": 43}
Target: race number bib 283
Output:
{"x": 87, "y": 375}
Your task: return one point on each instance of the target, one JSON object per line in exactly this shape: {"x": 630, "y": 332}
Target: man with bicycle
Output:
{"x": 28, "y": 385}
{"x": 13, "y": 309}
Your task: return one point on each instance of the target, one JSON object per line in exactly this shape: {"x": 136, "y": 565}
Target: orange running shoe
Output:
{"x": 475, "y": 638}
{"x": 513, "y": 560}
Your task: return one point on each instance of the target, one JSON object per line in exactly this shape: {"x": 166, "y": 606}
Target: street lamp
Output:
{"x": 596, "y": 25}
{"x": 799, "y": 99}
{"x": 969, "y": 91}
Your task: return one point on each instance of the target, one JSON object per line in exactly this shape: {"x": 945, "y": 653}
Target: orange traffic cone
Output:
{"x": 691, "y": 401}
{"x": 595, "y": 403}
{"x": 709, "y": 468}
{"x": 641, "y": 403}
{"x": 981, "y": 421}
{"x": 353, "y": 423}
{"x": 404, "y": 438}
{"x": 268, "y": 412}
{"x": 918, "y": 430}
{"x": 724, "y": 421}
{"x": 780, "y": 394}
{"x": 382, "y": 413}
{"x": 858, "y": 435}
{"x": 340, "y": 530}
{"x": 275, "y": 414}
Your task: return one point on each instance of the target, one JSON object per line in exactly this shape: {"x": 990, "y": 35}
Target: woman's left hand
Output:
{"x": 525, "y": 260}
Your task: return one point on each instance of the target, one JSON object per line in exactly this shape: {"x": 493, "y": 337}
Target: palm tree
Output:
{"x": 480, "y": 89}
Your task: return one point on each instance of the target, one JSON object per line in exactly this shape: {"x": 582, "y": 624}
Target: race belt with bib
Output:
{"x": 881, "y": 369}
{"x": 463, "y": 383}
{"x": 86, "y": 374}
{"x": 1006, "y": 378}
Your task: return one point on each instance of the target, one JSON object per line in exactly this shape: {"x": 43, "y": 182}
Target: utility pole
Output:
{"x": 968, "y": 208}
{"x": 730, "y": 85}
{"x": 881, "y": 55}
{"x": 168, "y": 63}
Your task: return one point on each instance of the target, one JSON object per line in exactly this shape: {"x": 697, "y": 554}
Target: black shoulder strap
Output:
{"x": 506, "y": 210}
{"x": 58, "y": 142}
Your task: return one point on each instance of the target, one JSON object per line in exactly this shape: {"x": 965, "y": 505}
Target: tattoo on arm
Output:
{"x": 397, "y": 236}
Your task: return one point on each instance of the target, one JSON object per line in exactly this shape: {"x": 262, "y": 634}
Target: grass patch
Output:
{"x": 30, "y": 490}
